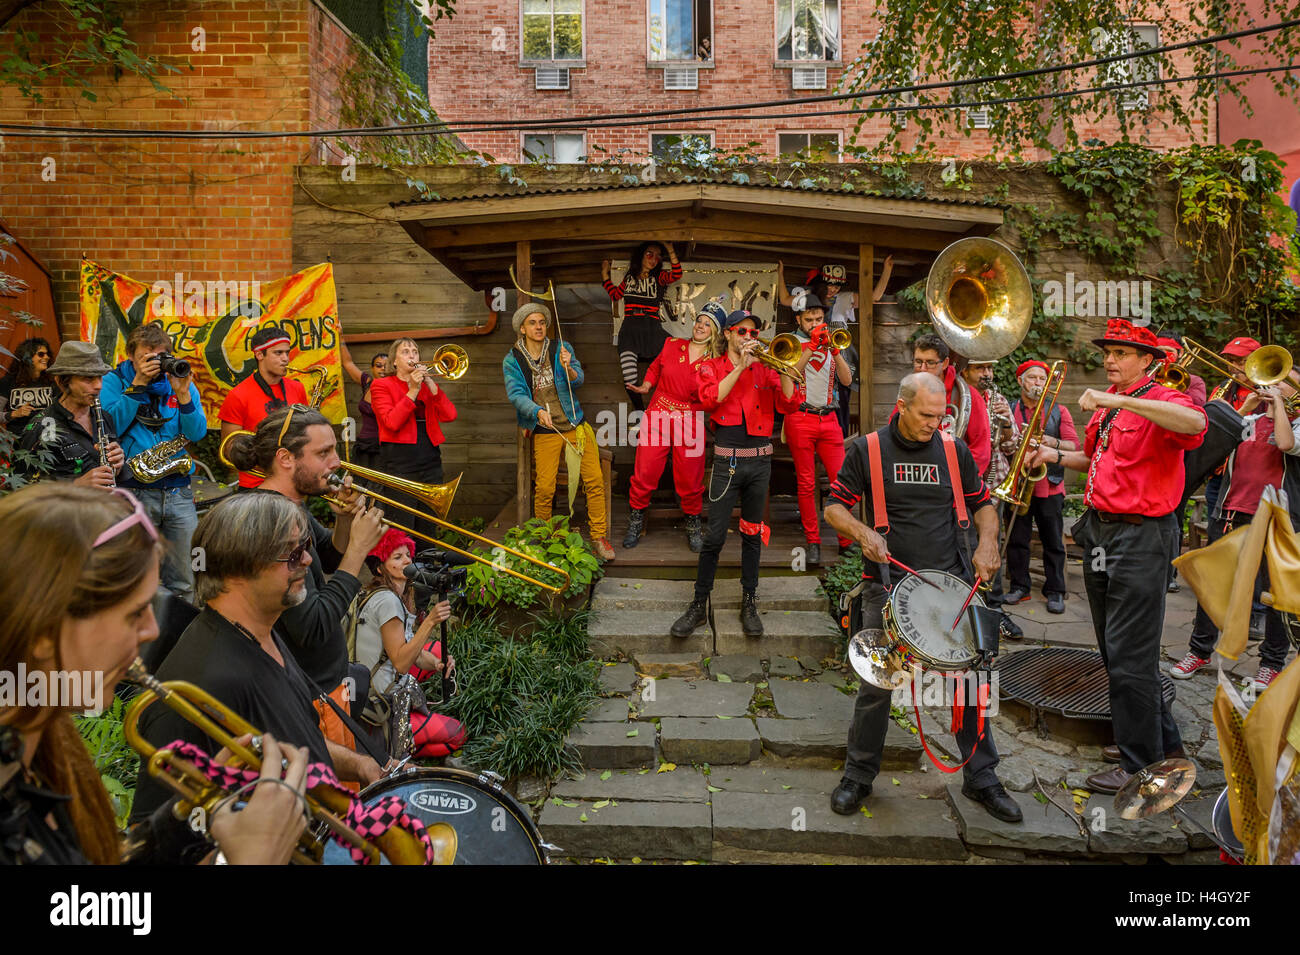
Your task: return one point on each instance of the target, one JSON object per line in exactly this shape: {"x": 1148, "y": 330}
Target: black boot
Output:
{"x": 849, "y": 795}
{"x": 635, "y": 528}
{"x": 690, "y": 621}
{"x": 694, "y": 533}
{"x": 749, "y": 620}
{"x": 814, "y": 554}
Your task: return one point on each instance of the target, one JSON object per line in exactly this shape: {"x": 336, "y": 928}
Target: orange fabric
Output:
{"x": 332, "y": 726}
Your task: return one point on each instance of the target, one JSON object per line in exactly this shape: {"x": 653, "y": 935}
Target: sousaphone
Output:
{"x": 979, "y": 299}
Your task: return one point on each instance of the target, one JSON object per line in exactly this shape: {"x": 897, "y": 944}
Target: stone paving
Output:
{"x": 731, "y": 757}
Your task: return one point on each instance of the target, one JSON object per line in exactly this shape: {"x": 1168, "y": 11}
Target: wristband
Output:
{"x": 1058, "y": 455}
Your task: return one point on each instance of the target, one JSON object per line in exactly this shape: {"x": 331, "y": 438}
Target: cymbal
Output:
{"x": 873, "y": 657}
{"x": 1155, "y": 788}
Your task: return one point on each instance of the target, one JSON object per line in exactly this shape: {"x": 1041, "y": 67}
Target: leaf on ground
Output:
{"x": 569, "y": 805}
{"x": 605, "y": 775}
{"x": 714, "y": 789}
{"x": 636, "y": 860}
{"x": 723, "y": 678}
{"x": 632, "y": 733}
{"x": 666, "y": 768}
{"x": 637, "y": 586}
{"x": 922, "y": 796}
{"x": 642, "y": 772}
{"x": 894, "y": 781}
{"x": 866, "y": 812}
{"x": 583, "y": 817}
{"x": 721, "y": 717}
{"x": 557, "y": 801}
{"x": 600, "y": 805}
{"x": 1040, "y": 797}
{"x": 761, "y": 686}
{"x": 783, "y": 786}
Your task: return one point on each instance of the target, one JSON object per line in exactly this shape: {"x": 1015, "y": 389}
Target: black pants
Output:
{"x": 1273, "y": 651}
{"x": 1045, "y": 512}
{"x": 1124, "y": 575}
{"x": 871, "y": 720}
{"x": 748, "y": 485}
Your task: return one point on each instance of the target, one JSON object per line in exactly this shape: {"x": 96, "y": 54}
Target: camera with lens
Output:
{"x": 437, "y": 571}
{"x": 171, "y": 365}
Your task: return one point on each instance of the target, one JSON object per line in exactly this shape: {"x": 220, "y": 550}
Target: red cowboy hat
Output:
{"x": 1120, "y": 331}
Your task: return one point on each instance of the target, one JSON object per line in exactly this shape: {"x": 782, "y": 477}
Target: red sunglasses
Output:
{"x": 746, "y": 332}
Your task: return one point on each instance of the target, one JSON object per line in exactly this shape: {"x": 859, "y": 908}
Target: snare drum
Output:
{"x": 917, "y": 618}
{"x": 492, "y": 828}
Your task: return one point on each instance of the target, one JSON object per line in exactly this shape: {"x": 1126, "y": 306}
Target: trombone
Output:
{"x": 327, "y": 805}
{"x": 1018, "y": 487}
{"x": 450, "y": 362}
{"x": 438, "y": 498}
{"x": 1265, "y": 366}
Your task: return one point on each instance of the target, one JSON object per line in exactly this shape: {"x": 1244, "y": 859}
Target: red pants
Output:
{"x": 812, "y": 436}
{"x": 657, "y": 428}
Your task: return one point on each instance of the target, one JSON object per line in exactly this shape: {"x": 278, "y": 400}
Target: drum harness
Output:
{"x": 881, "y": 520}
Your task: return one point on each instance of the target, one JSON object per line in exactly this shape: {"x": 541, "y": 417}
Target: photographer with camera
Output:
{"x": 151, "y": 399}
{"x": 399, "y": 649}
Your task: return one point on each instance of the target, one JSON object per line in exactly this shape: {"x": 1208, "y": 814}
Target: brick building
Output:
{"x": 502, "y": 60}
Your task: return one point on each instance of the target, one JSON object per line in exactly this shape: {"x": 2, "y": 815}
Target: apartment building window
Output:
{"x": 672, "y": 147}
{"x": 821, "y": 147}
{"x": 1137, "y": 70}
{"x": 807, "y": 30}
{"x": 552, "y": 30}
{"x": 680, "y": 31}
{"x": 555, "y": 147}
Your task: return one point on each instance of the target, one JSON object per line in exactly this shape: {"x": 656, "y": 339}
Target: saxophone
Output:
{"x": 158, "y": 463}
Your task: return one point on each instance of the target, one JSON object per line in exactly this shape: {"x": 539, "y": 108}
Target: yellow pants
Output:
{"x": 548, "y": 450}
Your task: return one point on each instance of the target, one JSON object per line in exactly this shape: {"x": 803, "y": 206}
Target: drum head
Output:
{"x": 492, "y": 828}
{"x": 920, "y": 616}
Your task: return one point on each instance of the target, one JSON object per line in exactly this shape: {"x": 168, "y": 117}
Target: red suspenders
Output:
{"x": 878, "y": 483}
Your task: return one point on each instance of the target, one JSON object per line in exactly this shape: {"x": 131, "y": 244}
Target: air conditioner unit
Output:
{"x": 808, "y": 78}
{"x": 681, "y": 78}
{"x": 979, "y": 118}
{"x": 552, "y": 78}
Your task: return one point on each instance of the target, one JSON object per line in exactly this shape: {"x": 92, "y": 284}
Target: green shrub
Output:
{"x": 521, "y": 694}
{"x": 549, "y": 540}
{"x": 117, "y": 762}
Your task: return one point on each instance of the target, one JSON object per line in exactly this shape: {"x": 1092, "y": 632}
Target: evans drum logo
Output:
{"x": 443, "y": 801}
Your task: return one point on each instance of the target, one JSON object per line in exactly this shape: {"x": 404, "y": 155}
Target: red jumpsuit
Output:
{"x": 674, "y": 421}
{"x": 814, "y": 432}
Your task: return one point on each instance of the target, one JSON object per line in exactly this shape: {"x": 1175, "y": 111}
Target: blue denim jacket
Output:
{"x": 519, "y": 387}
{"x": 121, "y": 406}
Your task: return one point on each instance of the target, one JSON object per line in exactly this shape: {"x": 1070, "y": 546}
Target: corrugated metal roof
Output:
{"x": 611, "y": 187}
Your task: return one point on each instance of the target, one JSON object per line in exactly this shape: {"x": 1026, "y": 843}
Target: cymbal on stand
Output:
{"x": 873, "y": 657}
{"x": 1155, "y": 788}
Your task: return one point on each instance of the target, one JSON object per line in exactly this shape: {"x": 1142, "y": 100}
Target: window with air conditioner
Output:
{"x": 807, "y": 30}
{"x": 676, "y": 147}
{"x": 1137, "y": 70}
{"x": 979, "y": 118}
{"x": 555, "y": 147}
{"x": 552, "y": 30}
{"x": 679, "y": 31}
{"x": 820, "y": 147}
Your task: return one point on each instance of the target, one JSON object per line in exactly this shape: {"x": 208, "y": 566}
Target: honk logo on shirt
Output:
{"x": 916, "y": 473}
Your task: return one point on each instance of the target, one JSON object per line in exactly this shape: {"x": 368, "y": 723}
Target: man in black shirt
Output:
{"x": 256, "y": 564}
{"x": 295, "y": 447}
{"x": 921, "y": 531}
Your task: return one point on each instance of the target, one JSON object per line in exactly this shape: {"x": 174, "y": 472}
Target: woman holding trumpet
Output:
{"x": 410, "y": 407}
{"x": 93, "y": 561}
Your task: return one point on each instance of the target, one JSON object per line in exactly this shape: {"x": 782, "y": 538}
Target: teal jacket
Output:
{"x": 519, "y": 387}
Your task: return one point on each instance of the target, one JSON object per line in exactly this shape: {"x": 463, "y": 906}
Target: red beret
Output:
{"x": 1032, "y": 363}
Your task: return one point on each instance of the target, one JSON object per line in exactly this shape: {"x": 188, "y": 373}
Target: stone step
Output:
{"x": 806, "y": 634}
{"x": 608, "y": 745}
{"x": 709, "y": 740}
{"x": 688, "y": 666}
{"x": 623, "y": 830}
{"x": 802, "y": 822}
{"x": 633, "y": 632}
{"x": 699, "y": 698}
{"x": 681, "y": 785}
{"x": 777, "y": 593}
{"x": 828, "y": 739}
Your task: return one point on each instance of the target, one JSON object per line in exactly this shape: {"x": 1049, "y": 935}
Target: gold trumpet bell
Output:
{"x": 841, "y": 339}
{"x": 979, "y": 298}
{"x": 450, "y": 362}
{"x": 436, "y": 497}
{"x": 781, "y": 355}
{"x": 1268, "y": 365}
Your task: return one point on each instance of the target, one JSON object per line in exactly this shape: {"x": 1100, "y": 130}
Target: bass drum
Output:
{"x": 492, "y": 828}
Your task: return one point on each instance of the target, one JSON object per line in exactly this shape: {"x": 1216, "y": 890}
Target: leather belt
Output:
{"x": 809, "y": 409}
{"x": 1106, "y": 517}
{"x": 743, "y": 452}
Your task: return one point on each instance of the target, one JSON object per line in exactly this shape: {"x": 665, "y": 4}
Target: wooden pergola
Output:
{"x": 559, "y": 234}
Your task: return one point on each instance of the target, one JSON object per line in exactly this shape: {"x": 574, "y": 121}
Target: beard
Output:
{"x": 306, "y": 484}
{"x": 295, "y": 594}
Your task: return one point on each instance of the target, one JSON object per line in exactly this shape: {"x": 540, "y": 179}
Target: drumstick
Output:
{"x": 969, "y": 597}
{"x": 902, "y": 566}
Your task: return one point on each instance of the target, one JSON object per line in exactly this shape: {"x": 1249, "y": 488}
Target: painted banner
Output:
{"x": 748, "y": 285}
{"x": 211, "y": 324}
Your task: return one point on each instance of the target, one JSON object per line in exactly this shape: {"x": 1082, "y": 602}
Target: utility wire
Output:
{"x": 642, "y": 118}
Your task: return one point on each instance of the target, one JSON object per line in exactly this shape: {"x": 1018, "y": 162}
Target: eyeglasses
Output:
{"x": 746, "y": 332}
{"x": 137, "y": 516}
{"x": 926, "y": 363}
{"x": 42, "y": 354}
{"x": 294, "y": 557}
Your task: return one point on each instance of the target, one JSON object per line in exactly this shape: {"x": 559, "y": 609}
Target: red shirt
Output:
{"x": 1256, "y": 464}
{"x": 395, "y": 412}
{"x": 247, "y": 404}
{"x": 675, "y": 377}
{"x": 757, "y": 393}
{"x": 1020, "y": 413}
{"x": 1140, "y": 471}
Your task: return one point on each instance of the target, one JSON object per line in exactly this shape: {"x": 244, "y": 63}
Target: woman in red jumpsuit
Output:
{"x": 675, "y": 422}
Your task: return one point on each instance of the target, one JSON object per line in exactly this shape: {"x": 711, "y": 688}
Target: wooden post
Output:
{"x": 524, "y": 447}
{"x": 866, "y": 337}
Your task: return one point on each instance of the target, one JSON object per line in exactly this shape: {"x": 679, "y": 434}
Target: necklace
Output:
{"x": 539, "y": 363}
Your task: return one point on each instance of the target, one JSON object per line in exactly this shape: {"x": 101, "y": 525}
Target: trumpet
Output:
{"x": 841, "y": 338}
{"x": 438, "y": 497}
{"x": 1018, "y": 488}
{"x": 224, "y": 726}
{"x": 781, "y": 355}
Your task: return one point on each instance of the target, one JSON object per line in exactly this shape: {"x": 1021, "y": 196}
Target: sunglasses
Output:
{"x": 137, "y": 516}
{"x": 294, "y": 557}
{"x": 746, "y": 332}
{"x": 42, "y": 354}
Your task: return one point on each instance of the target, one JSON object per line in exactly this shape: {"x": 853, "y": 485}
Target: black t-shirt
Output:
{"x": 923, "y": 530}
{"x": 70, "y": 447}
{"x": 217, "y": 657}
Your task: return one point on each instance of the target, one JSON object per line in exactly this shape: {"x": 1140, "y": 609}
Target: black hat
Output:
{"x": 811, "y": 301}
{"x": 739, "y": 315}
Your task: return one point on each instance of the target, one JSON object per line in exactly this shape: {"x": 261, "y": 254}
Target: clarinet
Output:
{"x": 101, "y": 437}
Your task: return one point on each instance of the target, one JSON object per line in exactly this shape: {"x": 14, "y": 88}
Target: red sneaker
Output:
{"x": 1184, "y": 668}
{"x": 1263, "y": 678}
